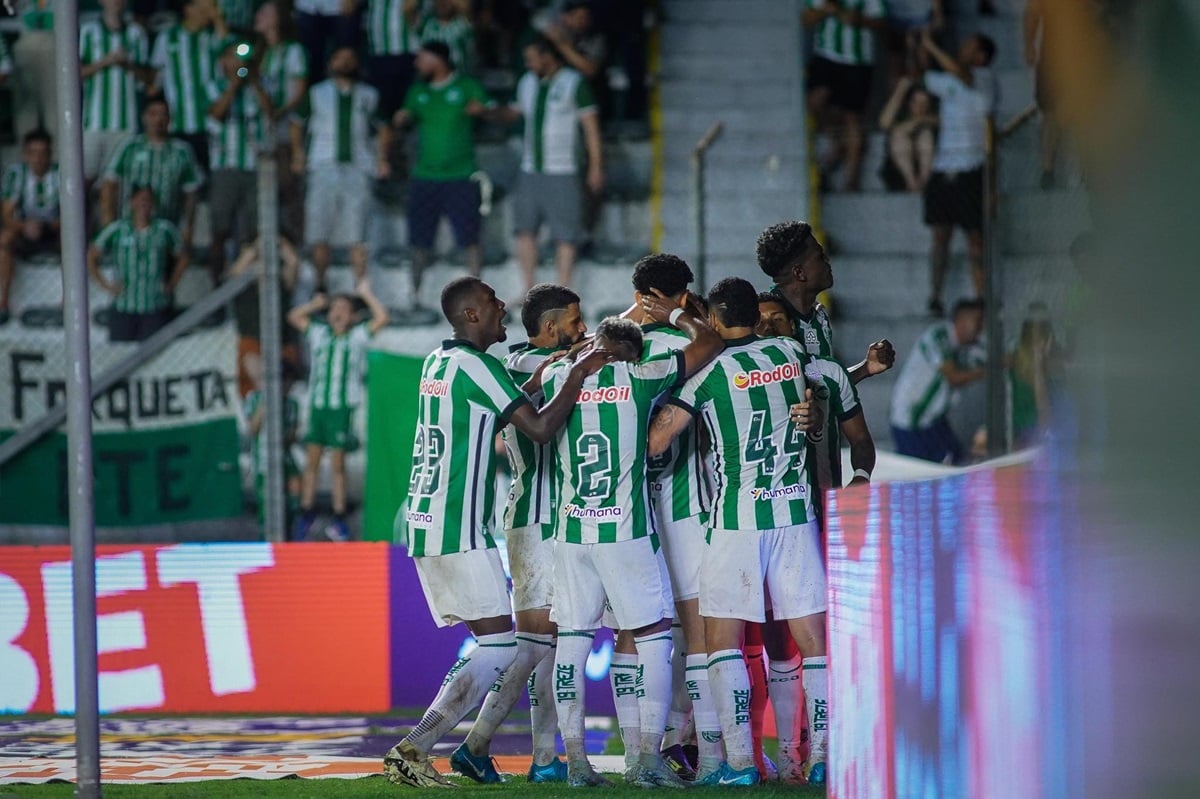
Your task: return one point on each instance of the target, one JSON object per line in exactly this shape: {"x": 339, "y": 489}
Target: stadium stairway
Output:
{"x": 880, "y": 246}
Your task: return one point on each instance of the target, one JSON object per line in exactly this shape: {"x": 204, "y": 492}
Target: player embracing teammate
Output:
{"x": 675, "y": 429}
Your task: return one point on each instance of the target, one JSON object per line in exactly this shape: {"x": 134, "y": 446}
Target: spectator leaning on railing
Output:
{"x": 29, "y": 212}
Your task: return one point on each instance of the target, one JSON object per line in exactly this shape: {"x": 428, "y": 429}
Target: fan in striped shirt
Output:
{"x": 114, "y": 59}
{"x": 551, "y": 317}
{"x": 337, "y": 357}
{"x": 450, "y": 25}
{"x": 29, "y": 213}
{"x": 150, "y": 261}
{"x": 465, "y": 396}
{"x": 391, "y": 50}
{"x": 185, "y": 56}
{"x": 238, "y": 115}
{"x": 606, "y": 551}
{"x": 756, "y": 406}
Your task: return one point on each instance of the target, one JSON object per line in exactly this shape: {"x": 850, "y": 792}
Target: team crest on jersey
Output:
{"x": 810, "y": 337}
{"x": 573, "y": 511}
{"x": 783, "y": 492}
{"x": 434, "y": 388}
{"x": 611, "y": 394}
{"x": 764, "y": 377}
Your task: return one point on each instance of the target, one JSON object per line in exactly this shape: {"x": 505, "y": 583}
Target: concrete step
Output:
{"x": 1028, "y": 223}
{"x": 720, "y": 11}
{"x": 747, "y": 36}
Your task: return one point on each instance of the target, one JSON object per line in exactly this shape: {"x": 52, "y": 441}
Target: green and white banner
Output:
{"x": 166, "y": 437}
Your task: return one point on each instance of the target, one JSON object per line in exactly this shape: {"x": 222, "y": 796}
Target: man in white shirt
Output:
{"x": 966, "y": 91}
{"x": 340, "y": 160}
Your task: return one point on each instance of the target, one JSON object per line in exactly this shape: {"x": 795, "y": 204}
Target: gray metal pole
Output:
{"x": 701, "y": 233}
{"x": 269, "y": 334}
{"x": 80, "y": 475}
{"x": 997, "y": 394}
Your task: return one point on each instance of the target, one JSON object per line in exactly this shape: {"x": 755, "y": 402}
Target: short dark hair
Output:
{"x": 542, "y": 299}
{"x": 138, "y": 188}
{"x": 735, "y": 302}
{"x": 157, "y": 99}
{"x": 342, "y": 295}
{"x": 457, "y": 294}
{"x": 966, "y": 306}
{"x": 780, "y": 245}
{"x": 987, "y": 45}
{"x": 668, "y": 273}
{"x": 618, "y": 329}
{"x": 36, "y": 135}
{"x": 543, "y": 45}
{"x": 767, "y": 296}
{"x": 439, "y": 49}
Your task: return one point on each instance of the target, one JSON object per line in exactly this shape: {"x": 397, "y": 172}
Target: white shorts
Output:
{"x": 683, "y": 546}
{"x": 737, "y": 563}
{"x": 531, "y": 564}
{"x": 610, "y": 621}
{"x": 98, "y": 147}
{"x": 336, "y": 205}
{"x": 626, "y": 576}
{"x": 464, "y": 586}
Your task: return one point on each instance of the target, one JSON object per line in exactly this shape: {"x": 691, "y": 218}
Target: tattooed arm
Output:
{"x": 670, "y": 422}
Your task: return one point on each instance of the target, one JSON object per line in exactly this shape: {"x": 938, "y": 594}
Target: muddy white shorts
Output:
{"x": 464, "y": 586}
{"x": 531, "y": 564}
{"x": 626, "y": 576}
{"x": 737, "y": 564}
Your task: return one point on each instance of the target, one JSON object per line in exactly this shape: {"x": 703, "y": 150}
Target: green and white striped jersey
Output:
{"x": 281, "y": 65}
{"x": 552, "y": 108}
{"x": 388, "y": 31}
{"x": 143, "y": 258}
{"x": 456, "y": 33}
{"x": 814, "y": 332}
{"x": 600, "y": 468}
{"x": 186, "y": 62}
{"x": 110, "y": 97}
{"x": 291, "y": 423}
{"x": 239, "y": 14}
{"x": 233, "y": 142}
{"x": 33, "y": 197}
{"x": 529, "y": 499}
{"x": 832, "y": 388}
{"x": 845, "y": 44}
{"x": 921, "y": 395}
{"x": 464, "y": 398}
{"x": 678, "y": 484}
{"x": 169, "y": 168}
{"x": 337, "y": 365}
{"x": 759, "y": 456}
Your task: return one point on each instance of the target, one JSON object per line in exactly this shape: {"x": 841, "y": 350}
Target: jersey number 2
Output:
{"x": 592, "y": 470}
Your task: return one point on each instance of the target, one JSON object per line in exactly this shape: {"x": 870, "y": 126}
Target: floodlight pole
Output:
{"x": 80, "y": 474}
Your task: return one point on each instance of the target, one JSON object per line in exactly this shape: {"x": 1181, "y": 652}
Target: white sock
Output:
{"x": 622, "y": 674}
{"x": 570, "y": 683}
{"x": 784, "y": 688}
{"x": 542, "y": 714}
{"x": 680, "y": 703}
{"x": 464, "y": 687}
{"x": 816, "y": 694}
{"x": 708, "y": 724}
{"x": 654, "y": 688}
{"x": 730, "y": 683}
{"x": 531, "y": 648}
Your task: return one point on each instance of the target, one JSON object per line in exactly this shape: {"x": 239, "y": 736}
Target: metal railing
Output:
{"x": 699, "y": 158}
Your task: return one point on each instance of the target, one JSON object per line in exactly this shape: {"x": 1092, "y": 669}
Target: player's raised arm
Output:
{"x": 705, "y": 343}
{"x": 541, "y": 425}
{"x": 670, "y": 422}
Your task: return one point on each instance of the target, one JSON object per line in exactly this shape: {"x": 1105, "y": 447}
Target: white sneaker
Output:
{"x": 405, "y": 765}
